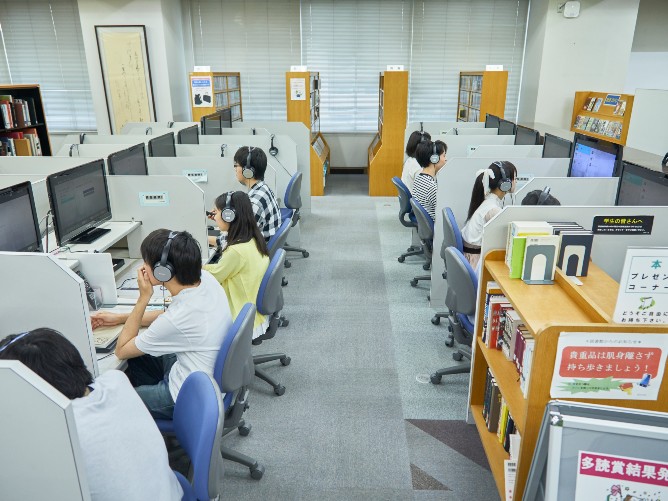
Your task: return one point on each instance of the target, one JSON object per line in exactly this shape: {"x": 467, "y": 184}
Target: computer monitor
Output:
{"x": 79, "y": 200}
{"x": 162, "y": 146}
{"x": 556, "y": 147}
{"x": 491, "y": 121}
{"x": 128, "y": 162}
{"x": 189, "y": 135}
{"x": 19, "y": 226}
{"x": 506, "y": 128}
{"x": 226, "y": 118}
{"x": 211, "y": 125}
{"x": 594, "y": 158}
{"x": 641, "y": 186}
{"x": 526, "y": 136}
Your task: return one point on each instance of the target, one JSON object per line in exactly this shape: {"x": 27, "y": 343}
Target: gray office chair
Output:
{"x": 278, "y": 240}
{"x": 405, "y": 211}
{"x": 293, "y": 202}
{"x": 461, "y": 300}
{"x": 425, "y": 229}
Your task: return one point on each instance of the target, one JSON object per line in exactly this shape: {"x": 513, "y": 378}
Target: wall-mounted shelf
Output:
{"x": 602, "y": 115}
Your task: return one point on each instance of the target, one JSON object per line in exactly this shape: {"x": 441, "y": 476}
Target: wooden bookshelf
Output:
{"x": 307, "y": 111}
{"x": 386, "y": 151}
{"x": 481, "y": 92}
{"x": 599, "y": 124}
{"x": 226, "y": 94}
{"x": 38, "y": 121}
{"x": 546, "y": 310}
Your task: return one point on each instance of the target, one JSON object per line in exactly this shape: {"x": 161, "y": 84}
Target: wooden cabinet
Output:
{"x": 546, "y": 310}
{"x": 386, "y": 151}
{"x": 19, "y": 124}
{"x": 226, "y": 94}
{"x": 602, "y": 115}
{"x": 480, "y": 93}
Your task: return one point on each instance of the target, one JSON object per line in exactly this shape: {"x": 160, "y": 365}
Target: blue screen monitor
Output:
{"x": 594, "y": 158}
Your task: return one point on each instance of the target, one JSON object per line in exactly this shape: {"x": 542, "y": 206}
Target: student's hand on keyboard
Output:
{"x": 105, "y": 319}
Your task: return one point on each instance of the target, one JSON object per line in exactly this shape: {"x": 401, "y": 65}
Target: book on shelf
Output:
{"x": 8, "y": 149}
{"x": 620, "y": 108}
{"x": 497, "y": 306}
{"x": 512, "y": 323}
{"x": 17, "y": 112}
{"x": 492, "y": 290}
{"x": 509, "y": 474}
{"x": 587, "y": 103}
{"x": 597, "y": 105}
{"x": 491, "y": 403}
{"x": 526, "y": 362}
{"x": 523, "y": 229}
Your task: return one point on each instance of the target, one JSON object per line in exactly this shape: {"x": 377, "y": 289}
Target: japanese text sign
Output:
{"x": 643, "y": 288}
{"x": 617, "y": 225}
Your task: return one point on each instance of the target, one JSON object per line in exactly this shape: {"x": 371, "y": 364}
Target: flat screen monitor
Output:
{"x": 19, "y": 226}
{"x": 556, "y": 147}
{"x": 526, "y": 136}
{"x": 226, "y": 118}
{"x": 641, "y": 186}
{"x": 128, "y": 162}
{"x": 211, "y": 125}
{"x": 79, "y": 200}
{"x": 491, "y": 121}
{"x": 189, "y": 135}
{"x": 594, "y": 158}
{"x": 506, "y": 128}
{"x": 162, "y": 146}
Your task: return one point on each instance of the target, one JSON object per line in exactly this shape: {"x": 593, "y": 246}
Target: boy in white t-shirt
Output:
{"x": 185, "y": 338}
{"x": 123, "y": 452}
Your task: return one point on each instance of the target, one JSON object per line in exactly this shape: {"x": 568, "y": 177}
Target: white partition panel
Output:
{"x": 459, "y": 131}
{"x": 463, "y": 146}
{"x": 436, "y": 128}
{"x": 41, "y": 456}
{"x": 501, "y": 152}
{"x": 40, "y": 165}
{"x": 574, "y": 190}
{"x": 140, "y": 127}
{"x": 40, "y": 291}
{"x": 123, "y": 139}
{"x": 96, "y": 150}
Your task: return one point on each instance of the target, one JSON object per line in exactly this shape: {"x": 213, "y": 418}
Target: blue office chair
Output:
{"x": 461, "y": 299}
{"x": 270, "y": 302}
{"x": 277, "y": 241}
{"x": 293, "y": 202}
{"x": 198, "y": 424}
{"x": 405, "y": 211}
{"x": 425, "y": 228}
{"x": 452, "y": 237}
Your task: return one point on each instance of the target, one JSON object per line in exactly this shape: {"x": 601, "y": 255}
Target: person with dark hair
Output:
{"x": 250, "y": 164}
{"x": 490, "y": 186}
{"x": 536, "y": 197}
{"x": 185, "y": 338}
{"x": 245, "y": 258}
{"x": 113, "y": 426}
{"x": 431, "y": 157}
{"x": 411, "y": 167}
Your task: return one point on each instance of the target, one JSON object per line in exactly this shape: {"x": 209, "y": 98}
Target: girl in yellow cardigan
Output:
{"x": 245, "y": 256}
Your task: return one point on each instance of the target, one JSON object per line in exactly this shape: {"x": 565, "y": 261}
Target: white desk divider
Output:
{"x": 469, "y": 131}
{"x": 44, "y": 292}
{"x": 96, "y": 150}
{"x": 463, "y": 146}
{"x": 501, "y": 152}
{"x": 40, "y": 447}
{"x": 129, "y": 127}
{"x": 574, "y": 190}
{"x": 123, "y": 139}
{"x": 438, "y": 128}
{"x": 40, "y": 165}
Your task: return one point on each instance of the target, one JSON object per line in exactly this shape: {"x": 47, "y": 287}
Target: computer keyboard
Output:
{"x": 105, "y": 338}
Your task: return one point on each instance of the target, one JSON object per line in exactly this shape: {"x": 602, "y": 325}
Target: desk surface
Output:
{"x": 119, "y": 229}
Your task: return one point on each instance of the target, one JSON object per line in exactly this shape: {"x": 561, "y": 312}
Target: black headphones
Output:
{"x": 273, "y": 151}
{"x": 248, "y": 171}
{"x": 435, "y": 157}
{"x": 544, "y": 195}
{"x": 228, "y": 214}
{"x": 163, "y": 271}
{"x": 664, "y": 164}
{"x": 505, "y": 184}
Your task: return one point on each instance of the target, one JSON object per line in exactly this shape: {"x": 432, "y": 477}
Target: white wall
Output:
{"x": 348, "y": 150}
{"x": 648, "y": 64}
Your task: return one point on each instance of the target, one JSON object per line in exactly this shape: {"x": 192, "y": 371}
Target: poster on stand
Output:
{"x": 201, "y": 90}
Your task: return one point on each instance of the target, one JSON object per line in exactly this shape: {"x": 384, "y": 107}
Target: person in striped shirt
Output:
{"x": 431, "y": 157}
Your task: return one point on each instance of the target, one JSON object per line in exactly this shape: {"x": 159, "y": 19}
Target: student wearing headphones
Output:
{"x": 540, "y": 197}
{"x": 411, "y": 166}
{"x": 489, "y": 188}
{"x": 431, "y": 157}
{"x": 113, "y": 426}
{"x": 245, "y": 258}
{"x": 185, "y": 338}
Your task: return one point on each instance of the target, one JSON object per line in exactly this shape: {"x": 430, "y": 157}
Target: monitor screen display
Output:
{"x": 162, "y": 146}
{"x": 556, "y": 147}
{"x": 211, "y": 125}
{"x": 491, "y": 122}
{"x": 594, "y": 158}
{"x": 226, "y": 118}
{"x": 79, "y": 199}
{"x": 19, "y": 226}
{"x": 129, "y": 162}
{"x": 506, "y": 128}
{"x": 642, "y": 186}
{"x": 189, "y": 135}
{"x": 526, "y": 136}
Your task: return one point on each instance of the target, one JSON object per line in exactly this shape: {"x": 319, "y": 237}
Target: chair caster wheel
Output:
{"x": 401, "y": 259}
{"x": 257, "y": 472}
{"x": 436, "y": 320}
{"x": 414, "y": 283}
{"x": 426, "y": 267}
{"x": 287, "y": 264}
{"x": 435, "y": 379}
{"x": 284, "y": 282}
{"x": 279, "y": 390}
{"x": 244, "y": 430}
{"x": 283, "y": 322}
{"x": 305, "y": 254}
{"x": 411, "y": 249}
{"x": 286, "y": 361}
{"x": 457, "y": 356}
{"x": 449, "y": 342}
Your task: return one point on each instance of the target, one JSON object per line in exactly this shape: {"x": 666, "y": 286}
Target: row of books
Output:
{"x": 17, "y": 144}
{"x": 497, "y": 416}
{"x": 609, "y": 128}
{"x": 563, "y": 244}
{"x": 16, "y": 112}
{"x": 593, "y": 104}
{"x": 471, "y": 82}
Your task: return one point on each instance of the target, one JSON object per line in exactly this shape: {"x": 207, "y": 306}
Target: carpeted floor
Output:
{"x": 357, "y": 420}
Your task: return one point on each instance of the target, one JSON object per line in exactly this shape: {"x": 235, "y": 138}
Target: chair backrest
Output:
{"x": 452, "y": 237}
{"x": 198, "y": 425}
{"x": 270, "y": 295}
{"x": 462, "y": 283}
{"x": 293, "y": 198}
{"x": 425, "y": 224}
{"x": 404, "y": 203}
{"x": 234, "y": 366}
{"x": 277, "y": 241}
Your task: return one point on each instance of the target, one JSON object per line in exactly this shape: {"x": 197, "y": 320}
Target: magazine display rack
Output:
{"x": 602, "y": 115}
